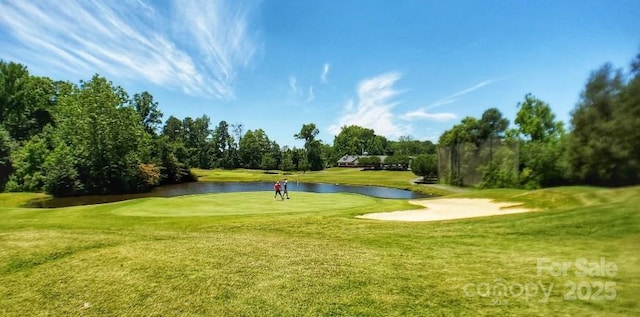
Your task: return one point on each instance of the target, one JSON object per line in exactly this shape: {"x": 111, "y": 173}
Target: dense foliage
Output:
{"x": 93, "y": 138}
{"x": 603, "y": 145}
{"x": 600, "y": 148}
{"x": 90, "y": 138}
{"x": 425, "y": 165}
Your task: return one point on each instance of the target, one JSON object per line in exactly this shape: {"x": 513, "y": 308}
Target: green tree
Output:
{"x": 492, "y": 129}
{"x": 173, "y": 133}
{"x": 13, "y": 78}
{"x": 541, "y": 151}
{"x": 369, "y": 161}
{"x": 492, "y": 124}
{"x": 188, "y": 136}
{"x": 406, "y": 145}
{"x": 454, "y": 140}
{"x": 350, "y": 141}
{"x": 195, "y": 136}
{"x": 308, "y": 132}
{"x": 62, "y": 177}
{"x": 597, "y": 151}
{"x": 203, "y": 146}
{"x": 275, "y": 152}
{"x": 543, "y": 164}
{"x": 353, "y": 140}
{"x": 471, "y": 138}
{"x": 102, "y": 138}
{"x": 173, "y": 129}
{"x": 253, "y": 146}
{"x": 536, "y": 122}
{"x": 25, "y": 101}
{"x": 299, "y": 159}
{"x": 425, "y": 165}
{"x": 272, "y": 158}
{"x": 326, "y": 154}
{"x": 468, "y": 130}
{"x": 502, "y": 170}
{"x": 173, "y": 169}
{"x": 287, "y": 161}
{"x": 628, "y": 121}
{"x": 28, "y": 165}
{"x": 5, "y": 154}
{"x": 379, "y": 145}
{"x": 397, "y": 161}
{"x": 223, "y": 147}
{"x": 314, "y": 156}
{"x": 303, "y": 165}
{"x": 105, "y": 135}
{"x": 268, "y": 162}
{"x": 147, "y": 109}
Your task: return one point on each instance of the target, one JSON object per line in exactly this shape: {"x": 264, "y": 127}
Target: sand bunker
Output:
{"x": 449, "y": 208}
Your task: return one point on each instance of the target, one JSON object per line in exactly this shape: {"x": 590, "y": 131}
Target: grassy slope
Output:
{"x": 246, "y": 254}
{"x": 19, "y": 199}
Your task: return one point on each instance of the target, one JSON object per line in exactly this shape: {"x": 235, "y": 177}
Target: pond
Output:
{"x": 230, "y": 187}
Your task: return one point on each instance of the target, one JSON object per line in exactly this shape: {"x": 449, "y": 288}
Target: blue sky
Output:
{"x": 411, "y": 67}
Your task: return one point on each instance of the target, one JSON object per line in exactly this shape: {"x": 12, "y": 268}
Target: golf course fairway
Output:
{"x": 246, "y": 254}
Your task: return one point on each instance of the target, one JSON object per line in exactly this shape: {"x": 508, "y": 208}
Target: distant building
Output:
{"x": 369, "y": 162}
{"x": 348, "y": 161}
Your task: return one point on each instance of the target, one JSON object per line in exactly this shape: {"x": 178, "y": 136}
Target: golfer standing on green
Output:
{"x": 277, "y": 187}
{"x": 286, "y": 192}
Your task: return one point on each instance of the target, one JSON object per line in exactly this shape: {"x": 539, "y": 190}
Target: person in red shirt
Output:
{"x": 277, "y": 188}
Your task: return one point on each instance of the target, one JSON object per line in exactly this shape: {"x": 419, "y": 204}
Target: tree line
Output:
{"x": 87, "y": 138}
{"x": 600, "y": 148}
{"x": 94, "y": 138}
{"x": 229, "y": 146}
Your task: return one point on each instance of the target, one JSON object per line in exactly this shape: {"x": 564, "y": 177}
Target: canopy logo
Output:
{"x": 501, "y": 292}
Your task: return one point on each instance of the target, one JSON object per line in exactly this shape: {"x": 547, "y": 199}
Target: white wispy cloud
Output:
{"x": 293, "y": 86}
{"x": 373, "y": 107}
{"x": 298, "y": 95}
{"x": 130, "y": 39}
{"x": 220, "y": 29}
{"x": 325, "y": 73}
{"x": 452, "y": 98}
{"x": 310, "y": 95}
{"x": 423, "y": 114}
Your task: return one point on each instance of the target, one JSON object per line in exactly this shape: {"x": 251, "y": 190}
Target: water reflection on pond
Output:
{"x": 228, "y": 187}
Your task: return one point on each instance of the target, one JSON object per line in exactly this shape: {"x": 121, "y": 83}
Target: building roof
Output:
{"x": 348, "y": 159}
{"x": 354, "y": 158}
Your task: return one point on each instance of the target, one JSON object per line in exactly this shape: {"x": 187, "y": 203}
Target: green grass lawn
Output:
{"x": 244, "y": 254}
